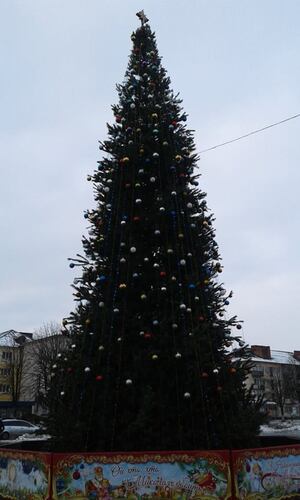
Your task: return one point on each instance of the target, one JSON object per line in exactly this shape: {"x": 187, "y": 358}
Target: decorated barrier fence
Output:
{"x": 25, "y": 475}
{"x": 257, "y": 474}
{"x": 267, "y": 473}
{"x": 142, "y": 476}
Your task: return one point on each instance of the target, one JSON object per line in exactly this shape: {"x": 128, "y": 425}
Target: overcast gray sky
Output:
{"x": 236, "y": 65}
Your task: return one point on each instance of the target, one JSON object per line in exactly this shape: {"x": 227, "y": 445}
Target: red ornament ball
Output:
{"x": 162, "y": 274}
{"x": 76, "y": 474}
{"x": 118, "y": 119}
{"x": 99, "y": 378}
{"x": 204, "y": 375}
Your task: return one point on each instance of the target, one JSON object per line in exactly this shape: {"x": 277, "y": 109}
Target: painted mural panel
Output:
{"x": 267, "y": 473}
{"x": 179, "y": 476}
{"x": 24, "y": 475}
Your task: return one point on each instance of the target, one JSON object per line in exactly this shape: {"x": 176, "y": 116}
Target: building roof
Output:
{"x": 279, "y": 357}
{"x": 9, "y": 338}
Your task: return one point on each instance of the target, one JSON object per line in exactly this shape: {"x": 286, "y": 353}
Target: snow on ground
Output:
{"x": 282, "y": 427}
{"x": 25, "y": 437}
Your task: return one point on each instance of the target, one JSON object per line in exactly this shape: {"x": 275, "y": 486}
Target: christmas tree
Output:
{"x": 152, "y": 362}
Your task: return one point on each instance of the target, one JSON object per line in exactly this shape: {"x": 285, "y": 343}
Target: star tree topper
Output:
{"x": 142, "y": 17}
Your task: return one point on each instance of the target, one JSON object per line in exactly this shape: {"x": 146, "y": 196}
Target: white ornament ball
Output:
{"x": 87, "y": 369}
{"x": 138, "y": 201}
{"x": 182, "y": 307}
{"x": 128, "y": 381}
{"x": 132, "y": 105}
{"x": 187, "y": 395}
{"x": 157, "y": 232}
{"x": 162, "y": 209}
{"x": 170, "y": 250}
{"x": 177, "y": 355}
{"x": 152, "y": 179}
{"x": 190, "y": 205}
{"x": 132, "y": 250}
{"x": 216, "y": 371}
{"x": 182, "y": 262}
{"x": 62, "y": 393}
{"x": 101, "y": 348}
{"x": 101, "y": 304}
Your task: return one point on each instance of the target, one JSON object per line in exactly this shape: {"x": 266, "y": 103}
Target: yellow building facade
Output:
{"x": 11, "y": 343}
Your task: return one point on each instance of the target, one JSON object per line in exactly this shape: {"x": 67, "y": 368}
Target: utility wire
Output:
{"x": 251, "y": 133}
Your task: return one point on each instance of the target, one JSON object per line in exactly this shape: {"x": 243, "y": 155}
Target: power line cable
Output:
{"x": 251, "y": 133}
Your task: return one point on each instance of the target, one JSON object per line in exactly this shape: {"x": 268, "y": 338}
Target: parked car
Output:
{"x": 14, "y": 428}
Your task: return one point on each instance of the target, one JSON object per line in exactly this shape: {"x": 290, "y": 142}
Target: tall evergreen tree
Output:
{"x": 153, "y": 363}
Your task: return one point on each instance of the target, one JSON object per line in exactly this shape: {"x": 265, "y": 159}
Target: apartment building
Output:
{"x": 276, "y": 376}
{"x": 11, "y": 354}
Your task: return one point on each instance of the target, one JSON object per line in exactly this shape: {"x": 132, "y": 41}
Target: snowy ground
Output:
{"x": 281, "y": 428}
{"x": 25, "y": 437}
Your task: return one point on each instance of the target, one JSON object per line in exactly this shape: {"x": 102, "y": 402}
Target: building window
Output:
{"x": 7, "y": 355}
{"x": 4, "y": 388}
{"x": 5, "y": 372}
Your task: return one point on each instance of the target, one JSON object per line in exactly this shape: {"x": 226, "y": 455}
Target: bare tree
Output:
{"x": 285, "y": 387}
{"x": 39, "y": 356}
